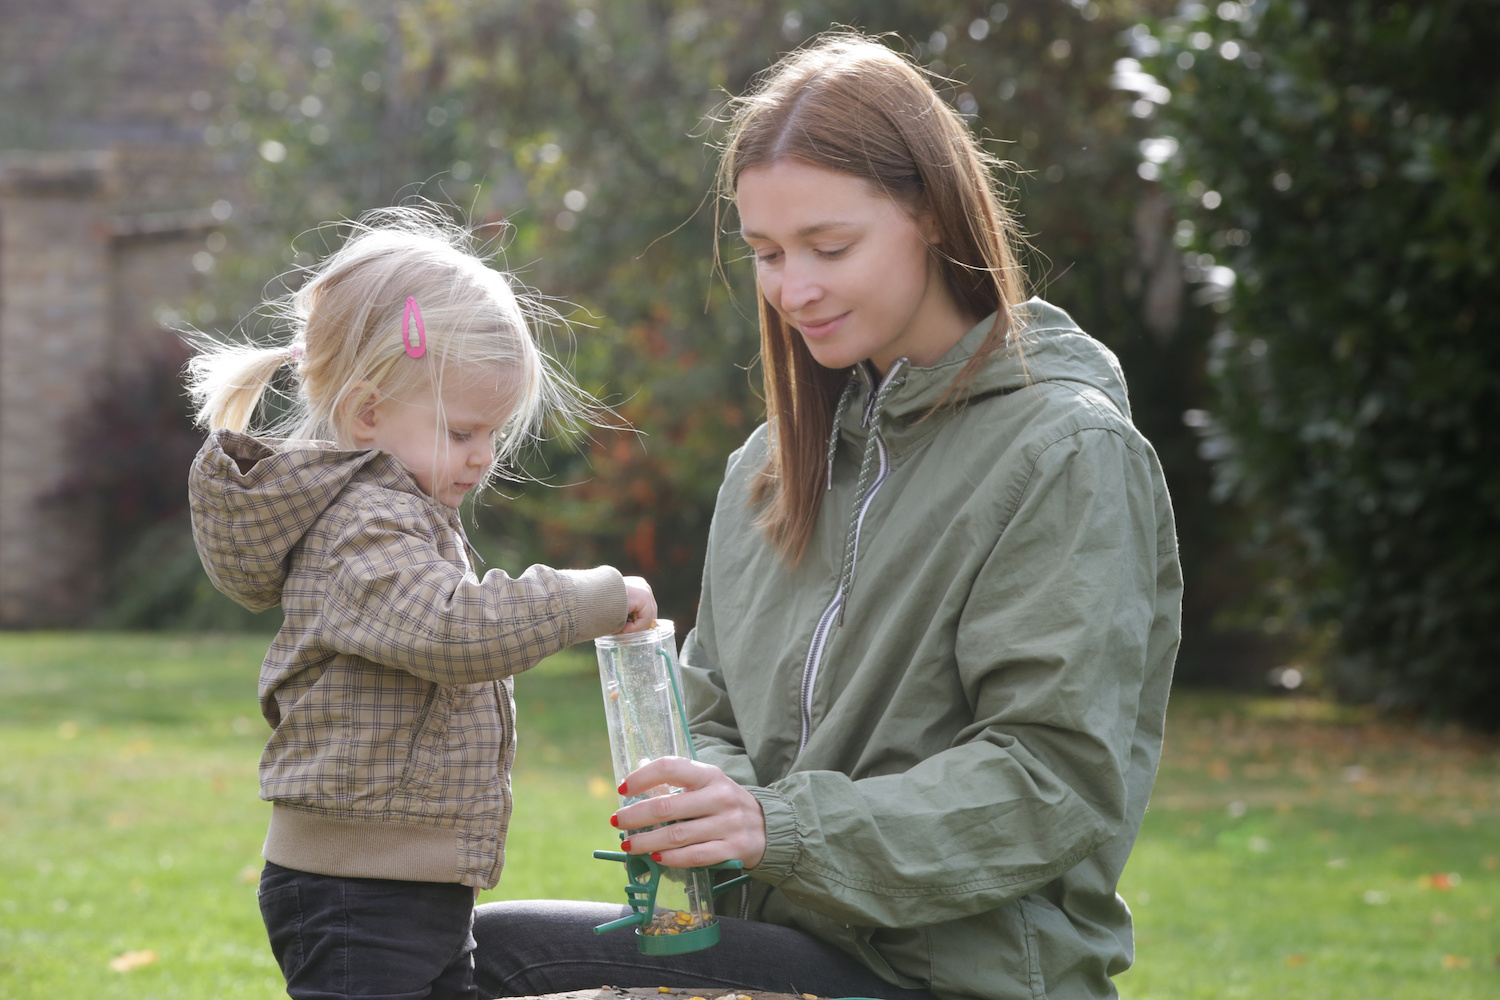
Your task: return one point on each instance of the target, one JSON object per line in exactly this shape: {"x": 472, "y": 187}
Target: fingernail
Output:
{"x": 614, "y": 821}
{"x": 656, "y": 855}
{"x": 625, "y": 845}
{"x": 621, "y": 789}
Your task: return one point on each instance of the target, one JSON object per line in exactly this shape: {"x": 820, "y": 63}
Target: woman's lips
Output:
{"x": 818, "y": 329}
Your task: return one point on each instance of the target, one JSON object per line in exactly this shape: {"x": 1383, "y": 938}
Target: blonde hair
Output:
{"x": 846, "y": 102}
{"x": 341, "y": 333}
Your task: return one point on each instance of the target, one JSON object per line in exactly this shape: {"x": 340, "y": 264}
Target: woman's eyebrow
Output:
{"x": 803, "y": 233}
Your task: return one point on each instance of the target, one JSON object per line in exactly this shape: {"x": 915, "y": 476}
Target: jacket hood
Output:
{"x": 252, "y": 500}
{"x": 1046, "y": 346}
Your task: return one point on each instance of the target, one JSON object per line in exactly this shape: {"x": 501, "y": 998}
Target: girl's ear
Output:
{"x": 361, "y": 408}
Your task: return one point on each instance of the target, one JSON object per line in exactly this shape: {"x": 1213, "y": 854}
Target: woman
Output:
{"x": 940, "y": 605}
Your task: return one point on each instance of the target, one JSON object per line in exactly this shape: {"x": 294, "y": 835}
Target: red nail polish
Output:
{"x": 621, "y": 789}
{"x": 656, "y": 855}
{"x": 625, "y": 845}
{"x": 614, "y": 821}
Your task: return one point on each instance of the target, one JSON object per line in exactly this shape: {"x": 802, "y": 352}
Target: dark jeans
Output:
{"x": 368, "y": 937}
{"x": 549, "y": 946}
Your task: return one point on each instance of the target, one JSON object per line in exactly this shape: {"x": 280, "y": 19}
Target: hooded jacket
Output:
{"x": 951, "y": 709}
{"x": 388, "y": 686}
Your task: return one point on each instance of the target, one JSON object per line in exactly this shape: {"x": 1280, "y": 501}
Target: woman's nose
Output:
{"x": 799, "y": 287}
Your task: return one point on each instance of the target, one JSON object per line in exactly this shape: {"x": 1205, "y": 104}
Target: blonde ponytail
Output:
{"x": 227, "y": 381}
{"x": 343, "y": 329}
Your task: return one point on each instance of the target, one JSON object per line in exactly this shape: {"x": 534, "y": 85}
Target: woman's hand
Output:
{"x": 712, "y": 819}
{"x": 640, "y": 605}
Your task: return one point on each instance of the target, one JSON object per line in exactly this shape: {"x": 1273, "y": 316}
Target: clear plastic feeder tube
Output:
{"x": 644, "y": 711}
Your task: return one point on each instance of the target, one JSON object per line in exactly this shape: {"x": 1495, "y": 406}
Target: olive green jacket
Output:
{"x": 951, "y": 711}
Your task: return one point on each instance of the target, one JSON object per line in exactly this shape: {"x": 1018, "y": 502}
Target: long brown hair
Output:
{"x": 846, "y": 102}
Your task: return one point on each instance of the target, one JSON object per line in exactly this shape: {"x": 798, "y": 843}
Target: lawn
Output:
{"x": 1292, "y": 849}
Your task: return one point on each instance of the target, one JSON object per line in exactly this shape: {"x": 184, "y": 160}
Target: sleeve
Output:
{"x": 1051, "y": 649}
{"x": 715, "y": 730}
{"x": 393, "y": 599}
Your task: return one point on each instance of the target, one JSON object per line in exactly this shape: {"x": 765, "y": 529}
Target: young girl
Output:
{"x": 939, "y": 614}
{"x": 388, "y": 687}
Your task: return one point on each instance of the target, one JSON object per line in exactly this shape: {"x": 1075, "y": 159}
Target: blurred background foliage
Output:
{"x": 1344, "y": 160}
{"x": 1309, "y": 357}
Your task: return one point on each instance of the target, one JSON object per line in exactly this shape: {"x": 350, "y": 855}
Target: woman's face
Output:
{"x": 847, "y": 267}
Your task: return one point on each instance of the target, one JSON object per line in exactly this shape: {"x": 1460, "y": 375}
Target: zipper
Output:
{"x": 810, "y": 668}
{"x": 834, "y": 613}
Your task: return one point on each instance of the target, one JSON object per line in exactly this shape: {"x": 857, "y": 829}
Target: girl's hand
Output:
{"x": 640, "y": 605}
{"x": 714, "y": 819}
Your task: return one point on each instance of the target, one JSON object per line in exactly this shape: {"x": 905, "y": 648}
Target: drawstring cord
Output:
{"x": 845, "y": 398}
{"x": 867, "y": 468}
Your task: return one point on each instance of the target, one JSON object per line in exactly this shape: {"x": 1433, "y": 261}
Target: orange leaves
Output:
{"x": 640, "y": 545}
{"x": 1440, "y": 881}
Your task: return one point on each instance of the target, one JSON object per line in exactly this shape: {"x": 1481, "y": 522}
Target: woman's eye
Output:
{"x": 460, "y": 436}
{"x": 834, "y": 253}
{"x": 766, "y": 256}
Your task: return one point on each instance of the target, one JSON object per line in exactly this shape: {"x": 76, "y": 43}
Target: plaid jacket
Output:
{"x": 388, "y": 686}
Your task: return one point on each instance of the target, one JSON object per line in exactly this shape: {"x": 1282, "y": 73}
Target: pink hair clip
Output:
{"x": 420, "y": 347}
{"x": 295, "y": 353}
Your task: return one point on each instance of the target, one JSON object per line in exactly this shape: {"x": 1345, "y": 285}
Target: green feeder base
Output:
{"x": 678, "y": 944}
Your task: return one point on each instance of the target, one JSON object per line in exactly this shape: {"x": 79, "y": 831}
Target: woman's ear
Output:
{"x": 927, "y": 225}
{"x": 361, "y": 411}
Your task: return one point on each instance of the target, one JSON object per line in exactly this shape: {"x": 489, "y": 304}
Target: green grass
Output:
{"x": 1290, "y": 849}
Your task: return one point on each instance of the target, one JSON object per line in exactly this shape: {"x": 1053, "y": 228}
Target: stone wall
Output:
{"x": 106, "y": 194}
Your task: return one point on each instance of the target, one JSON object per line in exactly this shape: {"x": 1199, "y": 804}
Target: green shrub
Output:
{"x": 1344, "y": 160}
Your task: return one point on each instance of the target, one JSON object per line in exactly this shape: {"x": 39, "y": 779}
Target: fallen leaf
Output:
{"x": 250, "y": 875}
{"x": 1455, "y": 962}
{"x": 1297, "y": 959}
{"x": 598, "y": 787}
{"x": 132, "y": 960}
{"x": 1441, "y": 881}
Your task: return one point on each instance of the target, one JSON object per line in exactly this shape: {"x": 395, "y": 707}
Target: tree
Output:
{"x": 581, "y": 129}
{"x": 1344, "y": 160}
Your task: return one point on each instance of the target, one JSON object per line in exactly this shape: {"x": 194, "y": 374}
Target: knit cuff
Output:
{"x": 599, "y": 601}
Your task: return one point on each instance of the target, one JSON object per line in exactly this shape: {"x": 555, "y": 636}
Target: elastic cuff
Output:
{"x": 783, "y": 837}
{"x": 599, "y": 597}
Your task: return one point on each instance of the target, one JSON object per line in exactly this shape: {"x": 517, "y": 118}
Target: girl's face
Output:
{"x": 847, "y": 267}
{"x": 448, "y": 457}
